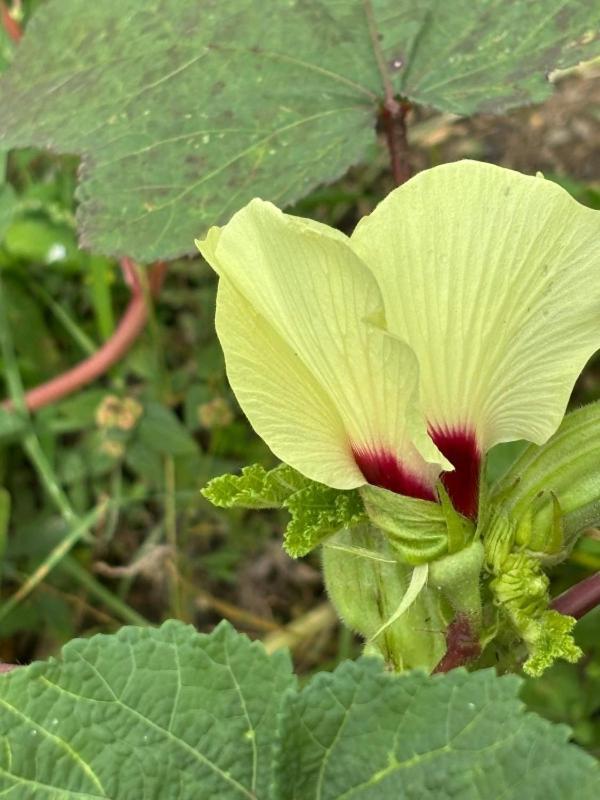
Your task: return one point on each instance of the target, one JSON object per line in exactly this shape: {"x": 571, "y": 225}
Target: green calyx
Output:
{"x": 419, "y": 531}
{"x": 367, "y": 583}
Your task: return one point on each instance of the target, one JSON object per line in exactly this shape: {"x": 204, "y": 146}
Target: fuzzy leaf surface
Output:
{"x": 183, "y": 110}
{"x": 364, "y": 734}
{"x": 154, "y": 713}
{"x": 169, "y": 713}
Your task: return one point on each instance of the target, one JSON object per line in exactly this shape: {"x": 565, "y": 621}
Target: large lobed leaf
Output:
{"x": 168, "y": 713}
{"x": 362, "y": 733}
{"x": 182, "y": 110}
{"x": 153, "y": 714}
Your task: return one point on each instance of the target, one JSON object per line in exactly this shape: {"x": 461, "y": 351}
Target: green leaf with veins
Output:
{"x": 474, "y": 56}
{"x": 172, "y": 714}
{"x": 364, "y": 734}
{"x": 155, "y": 713}
{"x": 183, "y": 110}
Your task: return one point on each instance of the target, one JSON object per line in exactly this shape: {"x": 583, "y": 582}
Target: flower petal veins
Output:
{"x": 457, "y": 316}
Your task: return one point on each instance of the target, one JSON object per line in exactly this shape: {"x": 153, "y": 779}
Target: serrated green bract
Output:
{"x": 182, "y": 110}
{"x": 170, "y": 714}
{"x": 551, "y": 639}
{"x": 256, "y": 487}
{"x": 318, "y": 512}
{"x": 148, "y": 713}
{"x": 363, "y": 733}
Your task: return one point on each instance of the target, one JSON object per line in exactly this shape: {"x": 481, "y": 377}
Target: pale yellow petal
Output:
{"x": 309, "y": 292}
{"x": 493, "y": 279}
{"x": 280, "y": 397}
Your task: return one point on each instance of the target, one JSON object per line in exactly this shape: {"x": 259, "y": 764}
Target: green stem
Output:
{"x": 171, "y": 535}
{"x": 51, "y": 561}
{"x": 38, "y": 458}
{"x": 73, "y": 568}
{"x": 99, "y": 275}
{"x": 79, "y": 336}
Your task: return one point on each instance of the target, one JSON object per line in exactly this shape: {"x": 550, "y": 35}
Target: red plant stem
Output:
{"x": 579, "y": 599}
{"x": 127, "y": 331}
{"x": 392, "y": 114}
{"x": 10, "y": 24}
{"x": 461, "y": 646}
{"x": 393, "y": 121}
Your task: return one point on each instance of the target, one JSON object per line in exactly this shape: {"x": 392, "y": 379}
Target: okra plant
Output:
{"x": 381, "y": 366}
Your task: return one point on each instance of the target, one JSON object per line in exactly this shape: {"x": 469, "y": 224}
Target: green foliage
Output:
{"x": 184, "y": 110}
{"x": 317, "y": 511}
{"x": 155, "y": 713}
{"x": 552, "y": 492}
{"x": 256, "y": 487}
{"x": 380, "y": 737}
{"x": 486, "y": 55}
{"x": 7, "y": 207}
{"x": 417, "y": 529}
{"x": 60, "y": 310}
{"x": 172, "y": 714}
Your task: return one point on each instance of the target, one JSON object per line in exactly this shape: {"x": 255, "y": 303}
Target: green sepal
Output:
{"x": 420, "y": 531}
{"x": 551, "y": 493}
{"x": 317, "y": 511}
{"x": 417, "y": 530}
{"x": 460, "y": 529}
{"x": 367, "y": 593}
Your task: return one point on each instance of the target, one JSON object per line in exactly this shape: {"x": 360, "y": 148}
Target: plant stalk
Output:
{"x": 10, "y": 24}
{"x": 392, "y": 115}
{"x": 579, "y": 599}
{"x": 128, "y": 330}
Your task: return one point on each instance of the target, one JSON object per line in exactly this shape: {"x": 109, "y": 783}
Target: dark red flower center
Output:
{"x": 382, "y": 468}
{"x": 462, "y": 484}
